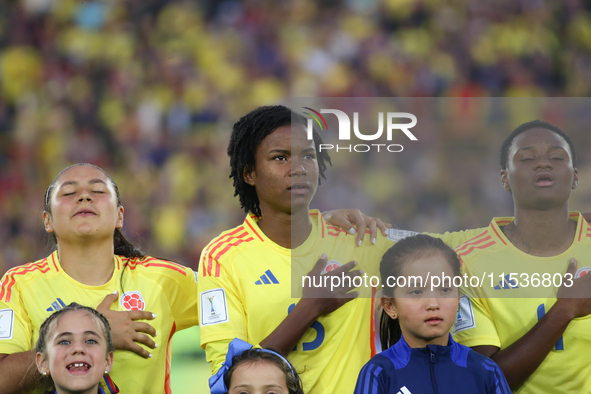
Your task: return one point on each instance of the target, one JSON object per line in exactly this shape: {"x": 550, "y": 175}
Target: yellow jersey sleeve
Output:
{"x": 15, "y": 326}
{"x": 474, "y": 325}
{"x": 223, "y": 315}
{"x": 216, "y": 354}
{"x": 183, "y": 293}
{"x": 456, "y": 238}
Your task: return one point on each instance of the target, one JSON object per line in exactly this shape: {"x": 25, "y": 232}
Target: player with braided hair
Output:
{"x": 245, "y": 273}
{"x": 248, "y": 134}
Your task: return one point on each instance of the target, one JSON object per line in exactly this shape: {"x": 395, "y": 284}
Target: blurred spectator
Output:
{"x": 149, "y": 89}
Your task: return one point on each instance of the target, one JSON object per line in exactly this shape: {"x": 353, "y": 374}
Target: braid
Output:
{"x": 247, "y": 135}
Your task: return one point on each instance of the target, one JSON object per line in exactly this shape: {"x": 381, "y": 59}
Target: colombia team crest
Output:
{"x": 132, "y": 301}
{"x": 582, "y": 272}
{"x": 330, "y": 266}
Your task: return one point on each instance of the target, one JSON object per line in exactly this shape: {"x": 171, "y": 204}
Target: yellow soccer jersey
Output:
{"x": 245, "y": 292}
{"x": 31, "y": 292}
{"x": 507, "y": 306}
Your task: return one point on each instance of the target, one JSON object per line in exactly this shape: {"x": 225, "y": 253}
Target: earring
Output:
{"x": 106, "y": 372}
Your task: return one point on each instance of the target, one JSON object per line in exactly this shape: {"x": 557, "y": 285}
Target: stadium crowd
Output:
{"x": 149, "y": 89}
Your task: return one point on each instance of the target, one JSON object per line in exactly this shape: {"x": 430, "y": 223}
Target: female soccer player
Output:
{"x": 246, "y": 272}
{"x": 75, "y": 350}
{"x": 419, "y": 354}
{"x": 541, "y": 342}
{"x": 95, "y": 265}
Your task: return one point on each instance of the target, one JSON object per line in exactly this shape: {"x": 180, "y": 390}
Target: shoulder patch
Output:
{"x": 6, "y": 323}
{"x": 465, "y": 317}
{"x": 214, "y": 307}
{"x": 396, "y": 235}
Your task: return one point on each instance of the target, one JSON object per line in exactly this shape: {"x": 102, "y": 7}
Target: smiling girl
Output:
{"x": 75, "y": 349}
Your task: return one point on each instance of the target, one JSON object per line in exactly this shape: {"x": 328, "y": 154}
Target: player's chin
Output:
{"x": 542, "y": 199}
{"x": 296, "y": 208}
{"x": 545, "y": 201}
{"x": 433, "y": 332}
{"x": 79, "y": 384}
{"x": 301, "y": 201}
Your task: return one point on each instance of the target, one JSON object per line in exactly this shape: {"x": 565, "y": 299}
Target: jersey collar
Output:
{"x": 582, "y": 232}
{"x": 319, "y": 230}
{"x": 400, "y": 353}
{"x": 53, "y": 262}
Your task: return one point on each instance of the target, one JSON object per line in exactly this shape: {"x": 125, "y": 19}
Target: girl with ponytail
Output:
{"x": 419, "y": 354}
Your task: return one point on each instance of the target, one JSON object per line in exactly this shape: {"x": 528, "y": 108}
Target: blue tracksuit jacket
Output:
{"x": 435, "y": 369}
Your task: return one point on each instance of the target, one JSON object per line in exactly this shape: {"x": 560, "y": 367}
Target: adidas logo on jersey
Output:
{"x": 267, "y": 278}
{"x": 56, "y": 305}
{"x": 508, "y": 283}
{"x": 404, "y": 390}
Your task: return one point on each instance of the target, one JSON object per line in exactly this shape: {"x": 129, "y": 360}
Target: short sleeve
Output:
{"x": 183, "y": 297}
{"x": 457, "y": 238}
{"x": 223, "y": 316}
{"x": 16, "y": 328}
{"x": 474, "y": 324}
{"x": 216, "y": 354}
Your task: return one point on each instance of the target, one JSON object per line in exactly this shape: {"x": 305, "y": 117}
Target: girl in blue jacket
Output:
{"x": 420, "y": 305}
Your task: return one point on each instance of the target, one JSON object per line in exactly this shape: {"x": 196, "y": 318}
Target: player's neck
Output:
{"x": 288, "y": 230}
{"x": 90, "y": 264}
{"x": 92, "y": 390}
{"x": 415, "y": 342}
{"x": 541, "y": 233}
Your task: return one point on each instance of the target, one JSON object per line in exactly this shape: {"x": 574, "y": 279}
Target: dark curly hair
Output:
{"x": 255, "y": 355}
{"x": 534, "y": 124}
{"x": 247, "y": 135}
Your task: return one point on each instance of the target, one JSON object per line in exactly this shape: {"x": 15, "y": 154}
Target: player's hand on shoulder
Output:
{"x": 574, "y": 296}
{"x": 125, "y": 328}
{"x": 328, "y": 297}
{"x": 347, "y": 218}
